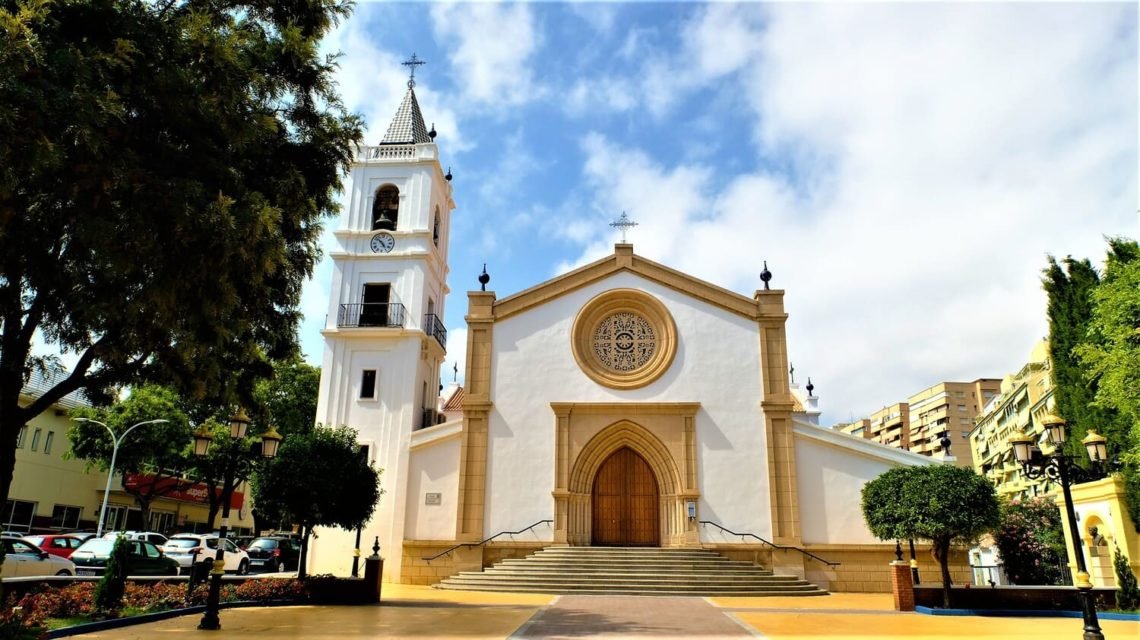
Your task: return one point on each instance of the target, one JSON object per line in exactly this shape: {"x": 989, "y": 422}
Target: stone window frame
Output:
{"x": 607, "y": 304}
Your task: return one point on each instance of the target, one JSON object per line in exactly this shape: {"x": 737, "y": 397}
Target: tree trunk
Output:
{"x": 942, "y": 553}
{"x": 302, "y": 561}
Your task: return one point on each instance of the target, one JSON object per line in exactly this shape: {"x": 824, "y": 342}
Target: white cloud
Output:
{"x": 939, "y": 152}
{"x": 372, "y": 82}
{"x": 494, "y": 44}
{"x": 456, "y": 353}
{"x": 600, "y": 16}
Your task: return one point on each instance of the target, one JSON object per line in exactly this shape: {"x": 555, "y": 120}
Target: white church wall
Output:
{"x": 831, "y": 469}
{"x": 433, "y": 491}
{"x": 533, "y": 365}
{"x": 383, "y": 422}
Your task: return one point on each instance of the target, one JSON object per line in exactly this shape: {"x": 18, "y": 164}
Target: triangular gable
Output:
{"x": 624, "y": 259}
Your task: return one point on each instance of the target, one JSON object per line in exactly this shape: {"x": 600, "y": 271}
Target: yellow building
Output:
{"x": 948, "y": 408}
{"x": 1024, "y": 398}
{"x": 50, "y": 493}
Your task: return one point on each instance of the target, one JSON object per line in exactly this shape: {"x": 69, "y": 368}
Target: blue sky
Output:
{"x": 903, "y": 168}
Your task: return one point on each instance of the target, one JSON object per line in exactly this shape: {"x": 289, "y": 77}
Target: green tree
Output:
{"x": 109, "y": 592}
{"x": 940, "y": 503}
{"x": 161, "y": 451}
{"x": 289, "y": 401}
{"x": 1069, "y": 286}
{"x": 164, "y": 170}
{"x": 1127, "y": 592}
{"x": 1111, "y": 353}
{"x": 1092, "y": 347}
{"x": 320, "y": 479}
{"x": 1031, "y": 542}
{"x": 289, "y": 398}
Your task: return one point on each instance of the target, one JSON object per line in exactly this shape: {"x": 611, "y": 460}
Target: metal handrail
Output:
{"x": 486, "y": 540}
{"x": 771, "y": 544}
{"x": 371, "y": 314}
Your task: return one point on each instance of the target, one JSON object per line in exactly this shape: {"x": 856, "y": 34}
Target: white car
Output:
{"x": 157, "y": 539}
{"x": 22, "y": 558}
{"x": 191, "y": 548}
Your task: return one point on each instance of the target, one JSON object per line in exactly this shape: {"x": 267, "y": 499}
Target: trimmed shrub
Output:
{"x": 329, "y": 589}
{"x": 109, "y": 593}
{"x": 1128, "y": 593}
{"x": 271, "y": 590}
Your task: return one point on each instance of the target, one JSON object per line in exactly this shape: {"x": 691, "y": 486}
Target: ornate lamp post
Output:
{"x": 114, "y": 457}
{"x": 1061, "y": 469}
{"x": 270, "y": 440}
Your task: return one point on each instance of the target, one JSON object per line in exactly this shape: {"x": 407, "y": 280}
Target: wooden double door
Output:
{"x": 625, "y": 502}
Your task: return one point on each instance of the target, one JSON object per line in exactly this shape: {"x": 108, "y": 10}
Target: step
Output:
{"x": 629, "y": 571}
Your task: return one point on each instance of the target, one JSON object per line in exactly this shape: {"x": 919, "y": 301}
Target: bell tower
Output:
{"x": 384, "y": 334}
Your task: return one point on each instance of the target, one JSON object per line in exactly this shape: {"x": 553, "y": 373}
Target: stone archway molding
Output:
{"x": 661, "y": 433}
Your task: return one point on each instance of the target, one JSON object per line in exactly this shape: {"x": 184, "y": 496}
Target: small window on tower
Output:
{"x": 368, "y": 385}
{"x": 435, "y": 228}
{"x": 385, "y": 208}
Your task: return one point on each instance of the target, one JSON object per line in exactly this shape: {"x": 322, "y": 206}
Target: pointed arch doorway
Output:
{"x": 625, "y": 502}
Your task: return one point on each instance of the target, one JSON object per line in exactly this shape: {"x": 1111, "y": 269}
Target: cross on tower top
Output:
{"x": 412, "y": 63}
{"x": 623, "y": 223}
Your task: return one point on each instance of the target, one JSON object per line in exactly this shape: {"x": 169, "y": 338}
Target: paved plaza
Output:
{"x": 422, "y": 612}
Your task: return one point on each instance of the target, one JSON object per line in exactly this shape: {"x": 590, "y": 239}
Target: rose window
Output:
{"x": 624, "y": 341}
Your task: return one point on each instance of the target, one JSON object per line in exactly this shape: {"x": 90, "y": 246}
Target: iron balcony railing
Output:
{"x": 433, "y": 326}
{"x": 371, "y": 314}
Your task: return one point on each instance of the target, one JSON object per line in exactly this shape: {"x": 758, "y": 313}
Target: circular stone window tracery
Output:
{"x": 624, "y": 339}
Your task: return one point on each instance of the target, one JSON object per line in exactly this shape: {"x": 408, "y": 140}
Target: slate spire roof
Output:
{"x": 408, "y": 124}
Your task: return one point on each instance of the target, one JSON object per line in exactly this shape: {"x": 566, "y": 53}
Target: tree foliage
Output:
{"x": 320, "y": 479}
{"x": 160, "y": 450}
{"x": 113, "y": 584}
{"x": 940, "y": 503}
{"x": 164, "y": 170}
{"x": 1031, "y": 542}
{"x": 1093, "y": 326}
{"x": 1127, "y": 591}
{"x": 289, "y": 398}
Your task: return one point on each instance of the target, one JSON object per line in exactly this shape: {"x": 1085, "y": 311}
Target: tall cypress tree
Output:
{"x": 1070, "y": 286}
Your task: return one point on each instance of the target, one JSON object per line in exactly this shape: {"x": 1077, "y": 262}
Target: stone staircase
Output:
{"x": 630, "y": 571}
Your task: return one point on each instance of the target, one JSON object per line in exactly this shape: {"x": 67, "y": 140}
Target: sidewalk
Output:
{"x": 423, "y": 612}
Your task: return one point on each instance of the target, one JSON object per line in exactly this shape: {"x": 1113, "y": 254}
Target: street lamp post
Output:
{"x": 239, "y": 423}
{"x": 114, "y": 457}
{"x": 1059, "y": 467}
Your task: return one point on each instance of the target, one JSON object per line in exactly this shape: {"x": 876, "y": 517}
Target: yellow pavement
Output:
{"x": 422, "y": 612}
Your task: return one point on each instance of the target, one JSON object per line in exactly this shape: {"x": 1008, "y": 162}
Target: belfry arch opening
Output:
{"x": 386, "y": 208}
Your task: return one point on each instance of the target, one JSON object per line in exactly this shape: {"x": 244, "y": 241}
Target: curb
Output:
{"x": 1025, "y": 613}
{"x": 119, "y": 623}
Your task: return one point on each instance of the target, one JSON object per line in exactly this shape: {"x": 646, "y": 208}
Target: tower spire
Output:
{"x": 407, "y": 125}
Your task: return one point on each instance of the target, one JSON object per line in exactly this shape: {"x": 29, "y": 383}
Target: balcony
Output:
{"x": 433, "y": 326}
{"x": 371, "y": 314}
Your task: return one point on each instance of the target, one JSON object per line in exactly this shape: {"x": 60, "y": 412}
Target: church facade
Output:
{"x": 621, "y": 404}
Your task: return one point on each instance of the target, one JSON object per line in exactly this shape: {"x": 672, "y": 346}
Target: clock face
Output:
{"x": 382, "y": 242}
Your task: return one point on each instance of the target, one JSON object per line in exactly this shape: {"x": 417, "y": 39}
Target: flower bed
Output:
{"x": 35, "y": 609}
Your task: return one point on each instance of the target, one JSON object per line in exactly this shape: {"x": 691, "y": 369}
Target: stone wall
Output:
{"x": 416, "y": 570}
{"x": 866, "y": 568}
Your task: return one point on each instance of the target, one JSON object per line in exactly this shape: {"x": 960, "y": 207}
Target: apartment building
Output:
{"x": 51, "y": 492}
{"x": 1025, "y": 396}
{"x": 889, "y": 425}
{"x": 918, "y": 424}
{"x": 949, "y": 408}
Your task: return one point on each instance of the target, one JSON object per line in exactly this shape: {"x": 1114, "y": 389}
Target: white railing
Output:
{"x": 387, "y": 152}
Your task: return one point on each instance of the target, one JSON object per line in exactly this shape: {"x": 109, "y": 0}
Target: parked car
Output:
{"x": 144, "y": 559}
{"x": 242, "y": 542}
{"x": 61, "y": 545}
{"x": 191, "y": 548}
{"x": 22, "y": 558}
{"x": 273, "y": 554}
{"x": 157, "y": 539}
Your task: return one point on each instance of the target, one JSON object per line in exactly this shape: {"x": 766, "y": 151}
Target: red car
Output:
{"x": 57, "y": 544}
